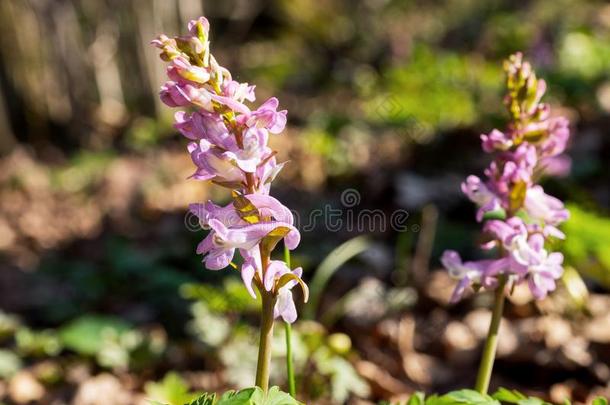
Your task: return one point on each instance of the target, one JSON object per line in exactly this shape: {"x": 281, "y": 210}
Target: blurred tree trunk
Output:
{"x": 78, "y": 69}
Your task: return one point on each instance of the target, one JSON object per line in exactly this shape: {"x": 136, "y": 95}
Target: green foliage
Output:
{"x": 210, "y": 327}
{"x": 8, "y": 325}
{"x": 445, "y": 82}
{"x": 113, "y": 342}
{"x": 333, "y": 261}
{"x": 471, "y": 397}
{"x": 85, "y": 169}
{"x": 587, "y": 248}
{"x": 10, "y": 363}
{"x": 464, "y": 396}
{"x": 418, "y": 398}
{"x": 37, "y": 343}
{"x": 584, "y": 55}
{"x": 515, "y": 397}
{"x": 246, "y": 396}
{"x": 146, "y": 133}
{"x": 86, "y": 335}
{"x": 331, "y": 372}
{"x": 173, "y": 390}
{"x": 231, "y": 297}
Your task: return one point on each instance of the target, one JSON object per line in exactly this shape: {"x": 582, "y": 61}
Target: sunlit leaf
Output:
{"x": 417, "y": 399}
{"x": 205, "y": 399}
{"x": 85, "y": 335}
{"x": 172, "y": 390}
{"x": 277, "y": 397}
{"x": 464, "y": 396}
{"x": 506, "y": 395}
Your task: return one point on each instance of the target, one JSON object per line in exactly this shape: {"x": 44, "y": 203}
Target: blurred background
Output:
{"x": 102, "y": 298}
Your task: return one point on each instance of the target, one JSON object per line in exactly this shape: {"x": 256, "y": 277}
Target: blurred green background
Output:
{"x": 100, "y": 288}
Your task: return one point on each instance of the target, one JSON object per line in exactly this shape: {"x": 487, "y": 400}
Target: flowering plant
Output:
{"x": 228, "y": 144}
{"x": 519, "y": 217}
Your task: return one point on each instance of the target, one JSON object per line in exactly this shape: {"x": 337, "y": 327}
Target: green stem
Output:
{"x": 266, "y": 338}
{"x": 288, "y": 330}
{"x": 289, "y": 366}
{"x": 491, "y": 344}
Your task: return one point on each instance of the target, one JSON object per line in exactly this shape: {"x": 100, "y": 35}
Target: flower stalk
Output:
{"x": 266, "y": 339}
{"x": 288, "y": 334}
{"x": 519, "y": 219}
{"x": 228, "y": 144}
{"x": 491, "y": 343}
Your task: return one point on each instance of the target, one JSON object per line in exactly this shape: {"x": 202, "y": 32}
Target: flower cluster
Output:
{"x": 229, "y": 147}
{"x": 530, "y": 147}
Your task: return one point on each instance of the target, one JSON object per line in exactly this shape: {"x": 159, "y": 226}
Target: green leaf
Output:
{"x": 277, "y": 397}
{"x": 510, "y": 396}
{"x": 256, "y": 396}
{"x": 242, "y": 397}
{"x": 10, "y": 364}
{"x": 85, "y": 335}
{"x": 433, "y": 399}
{"x": 331, "y": 264}
{"x": 600, "y": 401}
{"x": 172, "y": 390}
{"x": 465, "y": 396}
{"x": 515, "y": 397}
{"x": 417, "y": 399}
{"x": 205, "y": 399}
{"x": 532, "y": 401}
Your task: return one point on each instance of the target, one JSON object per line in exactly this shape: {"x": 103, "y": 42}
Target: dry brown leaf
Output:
{"x": 380, "y": 380}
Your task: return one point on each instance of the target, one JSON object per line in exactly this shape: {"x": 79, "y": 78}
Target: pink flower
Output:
{"x": 253, "y": 152}
{"x": 229, "y": 232}
{"x": 239, "y": 91}
{"x": 556, "y": 166}
{"x": 481, "y": 272}
{"x": 219, "y": 246}
{"x": 504, "y": 231}
{"x": 180, "y": 70}
{"x": 204, "y": 125}
{"x": 266, "y": 173}
{"x": 496, "y": 140}
{"x": 531, "y": 146}
{"x": 229, "y": 146}
{"x": 544, "y": 208}
{"x": 176, "y": 95}
{"x": 202, "y": 23}
{"x": 481, "y": 195}
{"x": 284, "y": 306}
{"x": 530, "y": 260}
{"x": 213, "y": 163}
{"x": 557, "y": 138}
{"x": 267, "y": 116}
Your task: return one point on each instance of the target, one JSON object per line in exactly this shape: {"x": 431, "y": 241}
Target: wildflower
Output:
{"x": 532, "y": 144}
{"x": 229, "y": 146}
{"x": 477, "y": 272}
